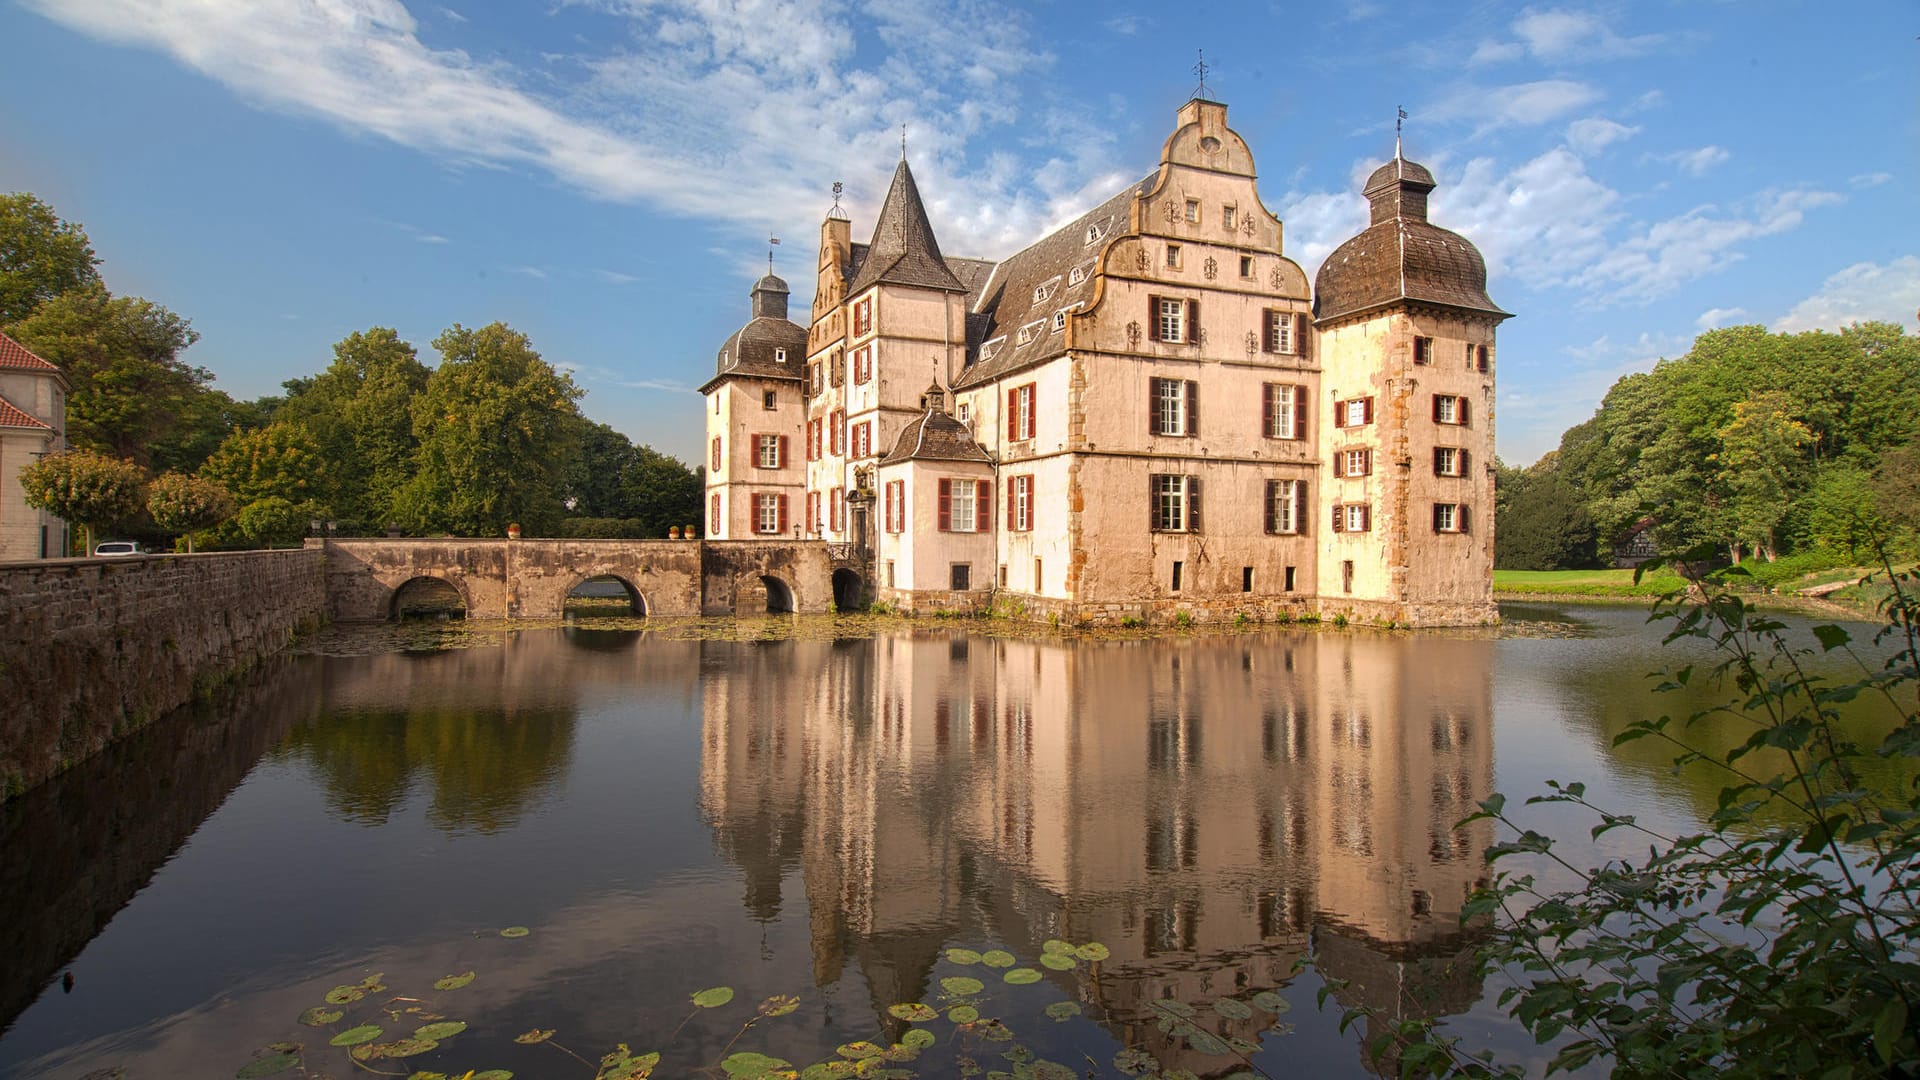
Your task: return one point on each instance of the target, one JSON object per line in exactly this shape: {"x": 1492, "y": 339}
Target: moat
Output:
{"x": 828, "y": 819}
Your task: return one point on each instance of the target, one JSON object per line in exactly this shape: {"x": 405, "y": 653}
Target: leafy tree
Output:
{"x": 496, "y": 430}
{"x": 596, "y": 484}
{"x": 1542, "y": 523}
{"x": 41, "y": 256}
{"x": 281, "y": 460}
{"x": 1762, "y": 451}
{"x": 273, "y": 522}
{"x": 360, "y": 414}
{"x": 661, "y": 492}
{"x": 187, "y": 504}
{"x": 91, "y": 490}
{"x": 1840, "y": 511}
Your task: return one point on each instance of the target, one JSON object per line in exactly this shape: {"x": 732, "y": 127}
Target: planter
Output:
{"x": 673, "y": 533}
{"x": 513, "y": 532}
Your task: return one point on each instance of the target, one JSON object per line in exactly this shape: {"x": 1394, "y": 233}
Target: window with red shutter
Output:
{"x": 783, "y": 514}
{"x": 983, "y": 505}
{"x": 946, "y": 505}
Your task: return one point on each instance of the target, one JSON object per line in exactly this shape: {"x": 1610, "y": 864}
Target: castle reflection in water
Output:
{"x": 1214, "y": 811}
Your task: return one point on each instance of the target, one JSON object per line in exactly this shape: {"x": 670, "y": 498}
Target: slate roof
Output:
{"x": 935, "y": 436}
{"x": 1401, "y": 256}
{"x": 1028, "y": 288}
{"x": 903, "y": 251}
{"x": 17, "y": 357}
{"x": 12, "y": 416}
{"x": 750, "y": 349}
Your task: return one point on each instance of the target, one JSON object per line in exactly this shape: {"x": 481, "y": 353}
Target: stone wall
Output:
{"x": 91, "y": 649}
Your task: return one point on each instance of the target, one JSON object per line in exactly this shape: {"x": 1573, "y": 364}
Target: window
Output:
{"x": 716, "y": 454}
{"x": 1037, "y": 578}
{"x": 813, "y": 511}
{"x": 1060, "y": 317}
{"x": 1281, "y": 336}
{"x": 813, "y": 378}
{"x": 1020, "y": 503}
{"x": 966, "y": 410}
{"x": 896, "y": 506}
{"x": 770, "y": 400}
{"x": 1449, "y": 518}
{"x": 713, "y": 515}
{"x": 1174, "y": 406}
{"x": 1352, "y": 517}
{"x": 965, "y": 505}
{"x": 1246, "y": 579}
{"x": 837, "y": 432}
{"x": 1246, "y": 266}
{"x": 770, "y": 451}
{"x": 1003, "y": 575}
{"x": 863, "y": 317}
{"x": 863, "y": 439}
{"x": 1291, "y": 575}
{"x": 1173, "y": 320}
{"x": 1449, "y": 461}
{"x": 1098, "y": 231}
{"x": 1173, "y": 256}
{"x": 1477, "y": 357}
{"x": 779, "y": 356}
{"x": 1356, "y": 412}
{"x": 1283, "y": 411}
{"x": 1044, "y": 291}
{"x": 813, "y": 440}
{"x": 1346, "y": 575}
{"x": 1193, "y": 211}
{"x": 1286, "y": 507}
{"x": 863, "y": 363}
{"x": 962, "y": 579}
{"x": 769, "y": 514}
{"x": 1020, "y": 418}
{"x": 1227, "y": 218}
{"x": 1028, "y": 332}
{"x": 1449, "y": 409}
{"x": 1423, "y": 350}
{"x": 1178, "y": 566}
{"x": 1355, "y": 462}
{"x": 892, "y": 580}
{"x": 839, "y": 509}
{"x": 1174, "y": 503}
{"x": 1078, "y": 274}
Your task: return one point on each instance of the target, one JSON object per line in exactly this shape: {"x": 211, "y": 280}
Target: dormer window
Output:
{"x": 1060, "y": 317}
{"x": 1097, "y": 231}
{"x": 988, "y": 349}
{"x": 1079, "y": 274}
{"x": 1044, "y": 292}
{"x": 779, "y": 356}
{"x": 1029, "y": 332}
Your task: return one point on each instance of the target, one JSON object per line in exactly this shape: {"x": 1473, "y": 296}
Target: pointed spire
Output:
{"x": 904, "y": 251}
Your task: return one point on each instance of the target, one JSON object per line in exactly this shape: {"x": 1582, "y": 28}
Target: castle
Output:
{"x": 1146, "y": 414}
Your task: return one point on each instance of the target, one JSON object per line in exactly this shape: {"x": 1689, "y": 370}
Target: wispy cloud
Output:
{"x": 664, "y": 385}
{"x": 1574, "y": 36}
{"x": 1870, "y": 180}
{"x": 1663, "y": 255}
{"x": 615, "y": 277}
{"x": 1590, "y": 135}
{"x": 528, "y": 271}
{"x": 1126, "y": 24}
{"x": 1713, "y": 318}
{"x": 1696, "y": 162}
{"x": 1861, "y": 292}
{"x": 419, "y": 234}
{"x": 452, "y": 14}
{"x": 1518, "y": 104}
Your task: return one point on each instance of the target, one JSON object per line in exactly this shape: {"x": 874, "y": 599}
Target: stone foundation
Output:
{"x": 1195, "y": 610}
{"x": 92, "y": 649}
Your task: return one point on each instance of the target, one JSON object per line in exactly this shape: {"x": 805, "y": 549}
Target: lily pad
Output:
{"x": 962, "y": 985}
{"x": 425, "y": 1075}
{"x": 1133, "y": 1062}
{"x": 1271, "y": 1001}
{"x": 515, "y": 931}
{"x": 446, "y": 1029}
{"x": 537, "y": 1035}
{"x": 1092, "y": 952}
{"x": 998, "y": 958}
{"x": 713, "y": 997}
{"x": 1233, "y": 1010}
{"x": 963, "y": 956}
{"x": 828, "y": 1070}
{"x": 779, "y": 1005}
{"x": 963, "y": 1014}
{"x": 453, "y": 982}
{"x": 913, "y": 1012}
{"x": 319, "y": 1016}
{"x": 269, "y": 1065}
{"x": 1202, "y": 1040}
{"x": 859, "y": 1051}
{"x": 1063, "y": 1010}
{"x": 373, "y": 983}
{"x": 994, "y": 1030}
{"x": 345, "y": 995}
{"x": 365, "y": 1033}
{"x": 1058, "y": 961}
{"x": 407, "y": 1047}
{"x": 918, "y": 1038}
{"x": 752, "y": 1066}
{"x": 493, "y": 1074}
{"x": 1022, "y": 976}
{"x": 1055, "y": 945}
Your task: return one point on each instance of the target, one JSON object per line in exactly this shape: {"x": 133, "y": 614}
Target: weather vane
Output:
{"x": 838, "y": 187}
{"x": 772, "y": 242}
{"x": 1397, "y": 121}
{"x": 1201, "y": 70}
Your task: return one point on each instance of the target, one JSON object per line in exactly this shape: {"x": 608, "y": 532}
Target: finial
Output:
{"x": 838, "y": 187}
{"x": 772, "y": 242}
{"x": 903, "y": 142}
{"x": 1201, "y": 70}
{"x": 1397, "y": 121}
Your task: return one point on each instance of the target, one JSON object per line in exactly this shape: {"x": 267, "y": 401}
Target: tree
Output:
{"x": 496, "y": 431}
{"x": 661, "y": 492}
{"x": 187, "y": 504}
{"x": 1542, "y": 524}
{"x": 41, "y": 256}
{"x": 91, "y": 490}
{"x": 360, "y": 414}
{"x": 272, "y": 521}
{"x": 281, "y": 460}
{"x": 1762, "y": 450}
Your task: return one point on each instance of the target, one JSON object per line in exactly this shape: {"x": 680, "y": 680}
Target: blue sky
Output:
{"x": 604, "y": 174}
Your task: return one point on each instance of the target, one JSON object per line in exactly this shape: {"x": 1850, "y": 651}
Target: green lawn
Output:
{"x": 1584, "y": 582}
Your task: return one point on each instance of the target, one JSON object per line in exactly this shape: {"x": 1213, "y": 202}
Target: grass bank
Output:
{"x": 1765, "y": 587}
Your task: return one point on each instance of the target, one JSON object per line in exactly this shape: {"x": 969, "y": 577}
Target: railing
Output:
{"x": 849, "y": 554}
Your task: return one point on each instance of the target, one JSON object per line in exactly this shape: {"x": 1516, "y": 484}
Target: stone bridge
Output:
{"x": 531, "y": 579}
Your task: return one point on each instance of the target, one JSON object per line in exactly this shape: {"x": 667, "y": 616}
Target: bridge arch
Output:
{"x": 420, "y": 589}
{"x": 849, "y": 590}
{"x": 637, "y": 605}
{"x": 780, "y": 598}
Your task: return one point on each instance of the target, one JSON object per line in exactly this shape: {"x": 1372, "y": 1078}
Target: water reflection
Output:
{"x": 1212, "y": 811}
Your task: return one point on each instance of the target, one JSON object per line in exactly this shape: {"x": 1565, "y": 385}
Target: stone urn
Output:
{"x": 513, "y": 531}
{"x": 689, "y": 532}
{"x": 673, "y": 533}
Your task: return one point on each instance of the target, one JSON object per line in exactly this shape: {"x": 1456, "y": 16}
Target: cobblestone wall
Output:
{"x": 91, "y": 649}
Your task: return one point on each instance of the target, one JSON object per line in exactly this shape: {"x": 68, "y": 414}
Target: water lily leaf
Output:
{"x": 367, "y": 1051}
{"x": 425, "y": 1075}
{"x": 515, "y": 931}
{"x": 1063, "y": 1010}
{"x": 1243, "y": 1047}
{"x": 997, "y": 958}
{"x": 319, "y": 1016}
{"x": 365, "y": 1033}
{"x": 267, "y": 1066}
{"x": 1059, "y": 961}
{"x": 963, "y": 956}
{"x": 994, "y": 1030}
{"x": 493, "y": 1074}
{"x": 446, "y": 1029}
{"x": 1050, "y": 1070}
{"x": 1019, "y": 1055}
{"x": 1022, "y": 976}
{"x": 917, "y": 1038}
{"x": 1270, "y": 1001}
{"x": 1232, "y": 1010}
{"x": 828, "y": 1070}
{"x": 1168, "y": 1008}
{"x": 344, "y": 995}
{"x": 407, "y": 1047}
{"x": 913, "y": 1012}
{"x": 453, "y": 982}
{"x": 859, "y": 1051}
{"x": 713, "y": 997}
{"x": 963, "y": 1014}
{"x": 1202, "y": 1040}
{"x": 1135, "y": 1062}
{"x": 537, "y": 1035}
{"x": 961, "y": 985}
{"x": 1092, "y": 952}
{"x": 752, "y": 1066}
{"x": 779, "y": 1005}
{"x": 1055, "y": 945}
{"x": 373, "y": 983}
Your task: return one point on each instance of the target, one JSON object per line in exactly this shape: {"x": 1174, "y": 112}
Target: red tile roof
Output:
{"x": 12, "y": 416}
{"x": 15, "y": 355}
